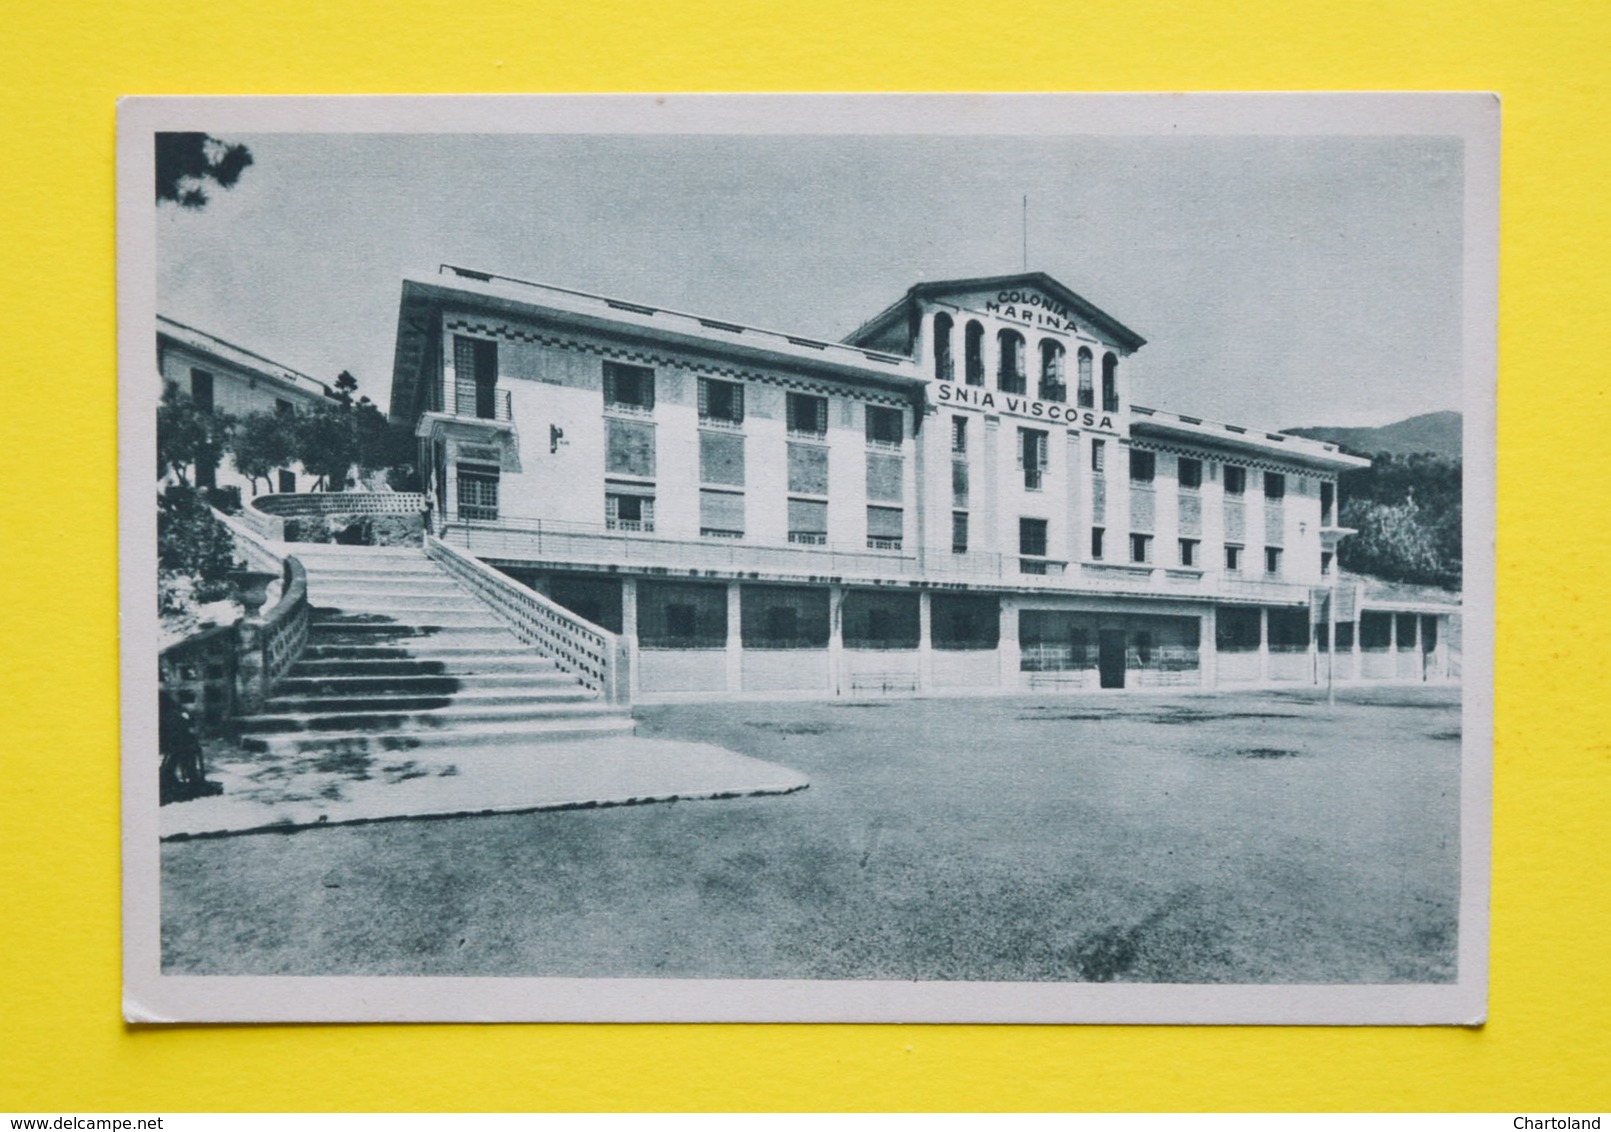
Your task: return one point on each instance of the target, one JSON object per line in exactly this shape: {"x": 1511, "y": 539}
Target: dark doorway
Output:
{"x": 1110, "y": 657}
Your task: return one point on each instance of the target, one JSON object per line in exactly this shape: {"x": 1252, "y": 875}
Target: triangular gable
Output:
{"x": 1034, "y": 298}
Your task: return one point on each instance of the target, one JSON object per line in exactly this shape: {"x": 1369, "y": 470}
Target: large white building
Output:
{"x": 960, "y": 496}
{"x": 220, "y": 376}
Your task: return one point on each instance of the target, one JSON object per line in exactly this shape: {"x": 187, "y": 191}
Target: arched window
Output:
{"x": 973, "y": 348}
{"x": 1087, "y": 390}
{"x": 1051, "y": 371}
{"x": 1110, "y": 383}
{"x": 1010, "y": 377}
{"x": 943, "y": 367}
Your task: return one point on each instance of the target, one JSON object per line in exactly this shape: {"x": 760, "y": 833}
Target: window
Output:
{"x": 475, "y": 377}
{"x": 1188, "y": 552}
{"x": 681, "y": 615}
{"x": 1051, "y": 371}
{"x": 721, "y": 402}
{"x": 1190, "y": 473}
{"x": 959, "y": 436}
{"x": 1141, "y": 549}
{"x": 1010, "y": 377}
{"x": 1275, "y": 485}
{"x": 808, "y": 522}
{"x": 721, "y": 514}
{"x": 1032, "y": 544}
{"x": 808, "y": 415}
{"x": 628, "y": 511}
{"x": 884, "y": 426}
{"x": 880, "y": 619}
{"x": 1235, "y": 479}
{"x": 1143, "y": 466}
{"x": 1272, "y": 560}
{"x": 1096, "y": 543}
{"x": 966, "y": 621}
{"x": 1032, "y": 448}
{"x": 886, "y": 477}
{"x": 1325, "y": 562}
{"x": 628, "y": 388}
{"x": 1032, "y": 537}
{"x": 629, "y": 448}
{"x": 1099, "y": 456}
{"x": 1328, "y": 501}
{"x": 1087, "y": 391}
{"x": 959, "y": 532}
{"x": 721, "y": 458}
{"x": 973, "y": 354}
{"x": 201, "y": 389}
{"x": 808, "y": 469}
{"x": 944, "y": 366}
{"x": 959, "y": 483}
{"x": 1110, "y": 383}
{"x": 283, "y": 408}
{"x": 885, "y": 528}
{"x": 478, "y": 492}
{"x": 1233, "y": 559}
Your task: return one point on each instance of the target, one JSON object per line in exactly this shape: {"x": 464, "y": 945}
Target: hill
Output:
{"x": 1437, "y": 433}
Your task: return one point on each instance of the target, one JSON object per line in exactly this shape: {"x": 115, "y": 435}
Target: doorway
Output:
{"x": 1110, "y": 657}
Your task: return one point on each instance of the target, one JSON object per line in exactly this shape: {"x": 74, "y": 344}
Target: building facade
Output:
{"x": 960, "y": 497}
{"x": 222, "y": 377}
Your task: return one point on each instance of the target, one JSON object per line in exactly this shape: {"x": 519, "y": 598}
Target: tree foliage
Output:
{"x": 327, "y": 444}
{"x": 192, "y": 543}
{"x": 262, "y": 442}
{"x": 185, "y": 162}
{"x": 188, "y": 436}
{"x": 1408, "y": 512}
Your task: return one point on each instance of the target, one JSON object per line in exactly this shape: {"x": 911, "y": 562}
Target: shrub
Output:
{"x": 191, "y": 544}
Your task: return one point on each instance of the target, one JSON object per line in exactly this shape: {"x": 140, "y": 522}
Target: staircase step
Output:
{"x": 431, "y": 719}
{"x": 402, "y": 607}
{"x": 395, "y": 702}
{"x": 423, "y": 684}
{"x": 454, "y": 635}
{"x": 406, "y": 666}
{"x": 534, "y": 734}
{"x": 421, "y": 586}
{"x": 479, "y": 616}
{"x": 427, "y": 651}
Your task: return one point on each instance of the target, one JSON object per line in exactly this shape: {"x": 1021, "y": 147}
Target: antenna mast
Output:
{"x": 1026, "y": 231}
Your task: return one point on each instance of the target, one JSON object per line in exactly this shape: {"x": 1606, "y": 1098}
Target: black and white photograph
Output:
{"x": 807, "y": 558}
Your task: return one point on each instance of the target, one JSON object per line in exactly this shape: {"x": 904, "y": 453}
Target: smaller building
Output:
{"x": 222, "y": 377}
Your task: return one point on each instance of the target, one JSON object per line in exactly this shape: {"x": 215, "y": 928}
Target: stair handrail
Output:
{"x": 591, "y": 653}
{"x": 272, "y": 643}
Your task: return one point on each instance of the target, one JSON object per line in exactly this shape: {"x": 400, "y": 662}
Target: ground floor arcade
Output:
{"x": 728, "y": 637}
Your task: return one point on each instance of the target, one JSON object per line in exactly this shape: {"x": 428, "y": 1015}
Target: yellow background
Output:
{"x": 62, "y": 1046}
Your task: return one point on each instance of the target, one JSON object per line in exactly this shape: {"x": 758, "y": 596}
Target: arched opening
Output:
{"x": 943, "y": 365}
{"x": 1010, "y": 376}
{"x": 1087, "y": 390}
{"x": 1052, "y": 387}
{"x": 1110, "y": 383}
{"x": 973, "y": 350}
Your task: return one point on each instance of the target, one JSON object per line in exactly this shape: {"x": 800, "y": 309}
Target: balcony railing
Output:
{"x": 541, "y": 540}
{"x": 480, "y": 402}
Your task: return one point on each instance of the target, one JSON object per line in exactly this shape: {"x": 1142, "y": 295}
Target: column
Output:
{"x": 1264, "y": 642}
{"x": 1441, "y": 649}
{"x": 1208, "y": 647}
{"x": 735, "y": 638}
{"x": 1420, "y": 657}
{"x": 836, "y": 639}
{"x": 1007, "y": 649}
{"x": 629, "y": 631}
{"x": 1359, "y": 623}
{"x": 1392, "y": 646}
{"x": 925, "y": 641}
{"x": 1314, "y": 647}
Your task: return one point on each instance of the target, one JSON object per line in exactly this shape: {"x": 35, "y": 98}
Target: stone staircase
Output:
{"x": 400, "y": 657}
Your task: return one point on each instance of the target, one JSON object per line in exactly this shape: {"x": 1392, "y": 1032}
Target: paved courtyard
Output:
{"x": 1238, "y": 837}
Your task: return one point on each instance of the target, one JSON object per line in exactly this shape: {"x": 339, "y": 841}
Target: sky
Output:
{"x": 1279, "y": 281}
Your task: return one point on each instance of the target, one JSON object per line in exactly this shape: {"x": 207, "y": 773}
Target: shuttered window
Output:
{"x": 808, "y": 521}
{"x": 628, "y": 387}
{"x": 721, "y": 458}
{"x": 885, "y": 527}
{"x": 629, "y": 448}
{"x": 721, "y": 401}
{"x": 721, "y": 514}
